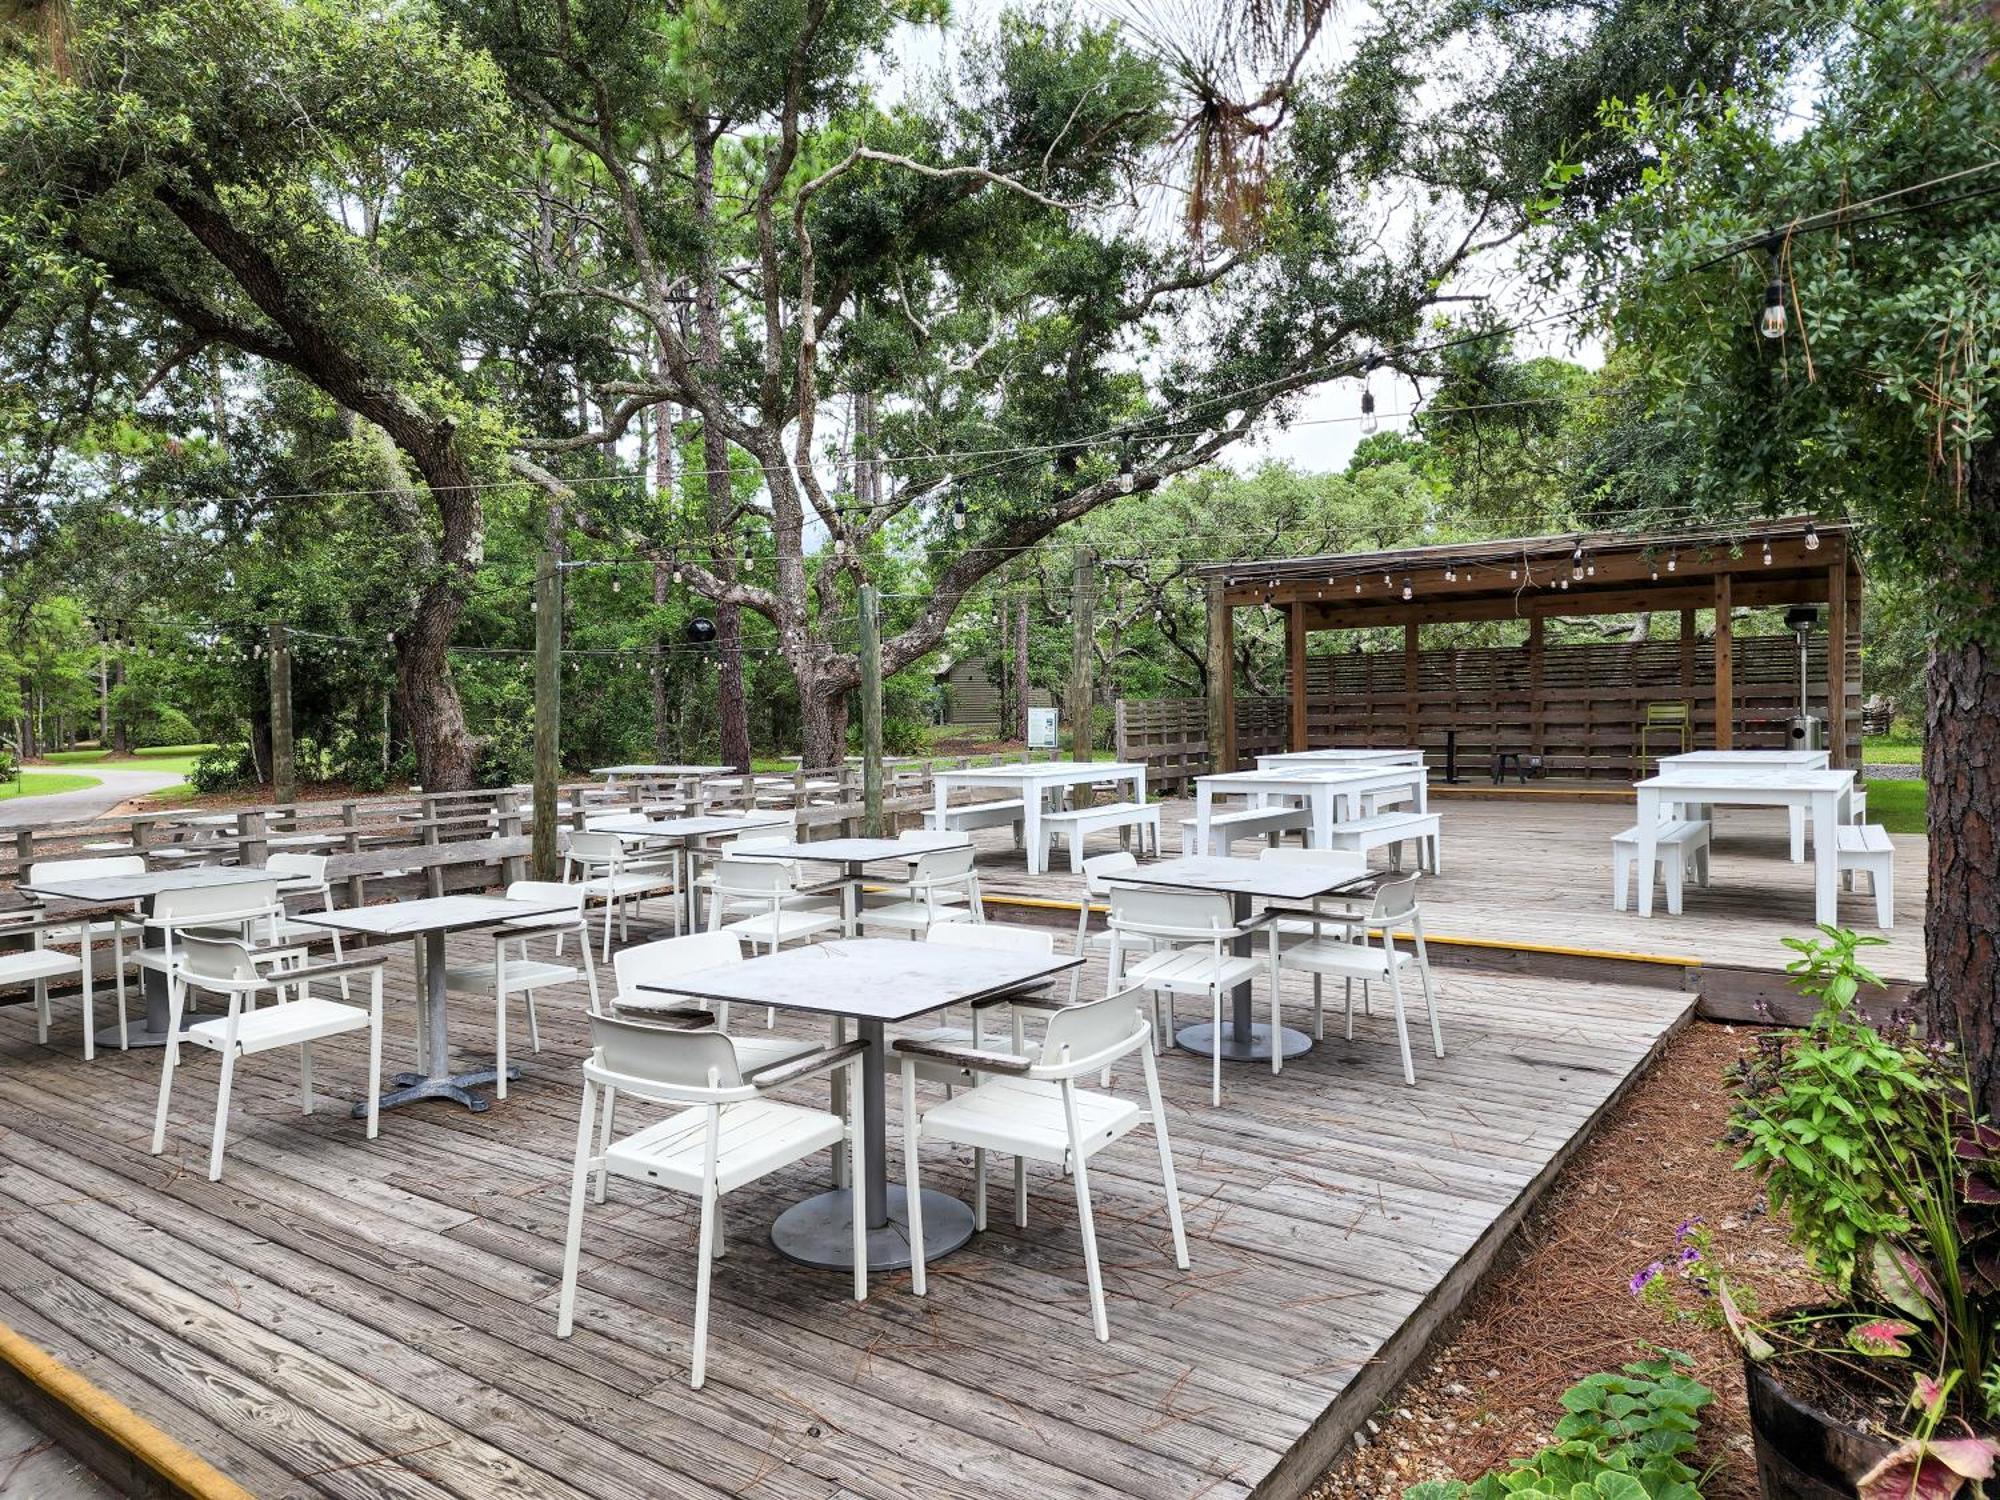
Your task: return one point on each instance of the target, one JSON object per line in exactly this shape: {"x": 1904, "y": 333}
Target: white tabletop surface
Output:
{"x": 662, "y": 770}
{"x": 1317, "y": 771}
{"x": 1762, "y": 778}
{"x": 1808, "y": 759}
{"x": 136, "y": 886}
{"x": 431, "y": 914}
{"x": 1279, "y": 880}
{"x": 860, "y": 851}
{"x": 1045, "y": 770}
{"x": 695, "y": 825}
{"x": 1339, "y": 755}
{"x": 871, "y": 979}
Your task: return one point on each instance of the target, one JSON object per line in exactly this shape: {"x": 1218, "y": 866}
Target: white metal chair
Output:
{"x": 228, "y": 967}
{"x": 1098, "y": 872}
{"x": 663, "y": 962}
{"x": 1187, "y": 938}
{"x": 37, "y": 964}
{"x": 622, "y": 880}
{"x": 241, "y": 911}
{"x": 1336, "y": 862}
{"x": 991, "y": 937}
{"x": 83, "y": 933}
{"x": 303, "y": 875}
{"x": 727, "y": 1134}
{"x": 1032, "y": 1109}
{"x": 767, "y": 890}
{"x": 943, "y": 887}
{"x": 704, "y": 883}
{"x": 1351, "y": 957}
{"x": 522, "y": 974}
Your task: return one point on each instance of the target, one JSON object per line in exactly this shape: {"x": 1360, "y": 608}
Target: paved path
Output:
{"x": 116, "y": 785}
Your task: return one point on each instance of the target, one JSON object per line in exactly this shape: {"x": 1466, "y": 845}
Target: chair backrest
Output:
{"x": 942, "y": 867}
{"x": 1099, "y": 868}
{"x": 1184, "y": 915}
{"x": 239, "y": 901}
{"x": 1395, "y": 900}
{"x": 678, "y": 1060}
{"x": 596, "y": 848}
{"x": 1334, "y": 861}
{"x": 1084, "y": 1038}
{"x": 216, "y": 958}
{"x": 86, "y": 869}
{"x": 766, "y": 878}
{"x": 995, "y": 937}
{"x": 1671, "y": 711}
{"x": 301, "y": 869}
{"x": 666, "y": 960}
{"x": 546, "y": 890}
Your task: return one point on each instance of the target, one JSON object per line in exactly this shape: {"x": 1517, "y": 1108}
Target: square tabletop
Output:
{"x": 695, "y": 825}
{"x": 1811, "y": 760}
{"x": 1725, "y": 777}
{"x": 399, "y": 919}
{"x": 1277, "y": 880}
{"x": 141, "y": 884}
{"x": 661, "y": 770}
{"x": 861, "y": 851}
{"x": 1044, "y": 770}
{"x": 870, "y": 979}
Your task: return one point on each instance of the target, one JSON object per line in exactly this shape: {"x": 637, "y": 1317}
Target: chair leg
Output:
{"x": 1092, "y": 1272}
{"x": 499, "y": 1035}
{"x": 534, "y": 1023}
{"x": 1082, "y": 931}
{"x": 1402, "y": 1027}
{"x": 913, "y": 1197}
{"x": 375, "y": 1056}
{"x": 604, "y": 1141}
{"x": 704, "y": 1268}
{"x": 89, "y": 999}
{"x": 579, "y": 1182}
{"x": 1166, "y": 1163}
{"x": 1214, "y": 1049}
{"x": 168, "y": 1063}
{"x": 42, "y": 1012}
{"x": 1430, "y": 1002}
{"x": 221, "y": 1114}
{"x": 118, "y": 968}
{"x": 979, "y": 1187}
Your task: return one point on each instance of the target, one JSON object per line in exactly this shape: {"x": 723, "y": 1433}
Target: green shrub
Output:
{"x": 226, "y": 768}
{"x": 166, "y": 725}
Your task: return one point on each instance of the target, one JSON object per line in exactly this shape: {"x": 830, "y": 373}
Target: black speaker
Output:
{"x": 701, "y": 630}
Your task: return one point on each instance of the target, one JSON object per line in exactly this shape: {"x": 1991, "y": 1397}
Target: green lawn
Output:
{"x": 170, "y": 759}
{"x": 42, "y": 783}
{"x": 1897, "y": 805}
{"x": 1892, "y": 750}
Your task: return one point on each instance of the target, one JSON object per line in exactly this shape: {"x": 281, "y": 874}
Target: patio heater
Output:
{"x": 1808, "y": 730}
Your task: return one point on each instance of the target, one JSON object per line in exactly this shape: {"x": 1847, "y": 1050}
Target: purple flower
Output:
{"x": 1686, "y": 1231}
{"x": 1690, "y": 1255}
{"x": 1644, "y": 1278}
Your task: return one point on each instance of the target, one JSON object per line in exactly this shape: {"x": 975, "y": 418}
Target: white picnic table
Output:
{"x": 1698, "y": 761}
{"x": 1343, "y": 755}
{"x": 1321, "y": 787}
{"x": 1821, "y": 795}
{"x": 688, "y": 780}
{"x": 1035, "y": 782}
{"x": 686, "y": 836}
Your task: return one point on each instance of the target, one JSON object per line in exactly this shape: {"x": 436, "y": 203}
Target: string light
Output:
{"x": 1407, "y": 589}
{"x": 1767, "y": 552}
{"x": 1673, "y": 561}
{"x": 1450, "y": 573}
{"x": 1772, "y": 323}
{"x": 1576, "y": 565}
{"x": 958, "y": 513}
{"x": 1812, "y": 537}
{"x": 1125, "y": 477}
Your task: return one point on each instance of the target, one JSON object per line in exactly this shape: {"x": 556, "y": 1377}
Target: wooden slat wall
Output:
{"x": 1592, "y": 702}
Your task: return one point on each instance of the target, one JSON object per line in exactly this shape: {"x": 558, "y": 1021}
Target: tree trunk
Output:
{"x": 662, "y": 726}
{"x": 1023, "y": 689}
{"x": 1962, "y": 920}
{"x": 732, "y": 708}
{"x": 427, "y": 700}
{"x": 121, "y": 734}
{"x": 823, "y": 718}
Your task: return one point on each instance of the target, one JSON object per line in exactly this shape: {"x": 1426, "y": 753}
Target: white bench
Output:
{"x": 971, "y": 815}
{"x": 1680, "y": 846}
{"x": 1867, "y": 847}
{"x": 1225, "y": 828}
{"x": 1392, "y": 831}
{"x": 1079, "y": 823}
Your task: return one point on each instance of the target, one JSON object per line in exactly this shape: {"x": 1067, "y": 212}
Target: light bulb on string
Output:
{"x": 1565, "y": 583}
{"x": 1576, "y": 564}
{"x": 1771, "y": 323}
{"x": 614, "y": 583}
{"x": 1451, "y": 573}
{"x": 1767, "y": 552}
{"x": 1673, "y": 561}
{"x": 958, "y": 514}
{"x": 1408, "y": 590}
{"x": 1125, "y": 475}
{"x": 1368, "y": 419}
{"x": 1812, "y": 537}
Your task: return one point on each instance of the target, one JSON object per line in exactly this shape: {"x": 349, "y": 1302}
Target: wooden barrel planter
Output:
{"x": 1802, "y": 1453}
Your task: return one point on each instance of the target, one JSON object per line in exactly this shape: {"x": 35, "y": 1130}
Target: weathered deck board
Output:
{"x": 343, "y": 1317}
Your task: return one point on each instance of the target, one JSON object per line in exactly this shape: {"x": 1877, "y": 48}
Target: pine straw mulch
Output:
{"x": 1563, "y": 1309}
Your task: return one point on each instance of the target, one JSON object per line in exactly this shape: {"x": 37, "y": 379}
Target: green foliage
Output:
{"x": 1624, "y": 1435}
{"x": 226, "y": 768}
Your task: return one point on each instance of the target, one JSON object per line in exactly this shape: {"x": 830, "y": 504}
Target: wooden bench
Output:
{"x": 1079, "y": 823}
{"x": 1680, "y": 845}
{"x": 1868, "y": 848}
{"x": 1225, "y": 828}
{"x": 968, "y": 816}
{"x": 1392, "y": 831}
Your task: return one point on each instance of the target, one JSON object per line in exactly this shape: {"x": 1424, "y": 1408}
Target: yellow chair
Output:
{"x": 1673, "y": 717}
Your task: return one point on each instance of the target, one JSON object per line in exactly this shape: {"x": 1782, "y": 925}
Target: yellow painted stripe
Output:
{"x": 1039, "y": 903}
{"x": 181, "y": 1470}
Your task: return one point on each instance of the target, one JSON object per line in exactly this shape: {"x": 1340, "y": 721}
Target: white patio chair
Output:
{"x": 663, "y": 962}
{"x": 522, "y": 973}
{"x": 1355, "y": 956}
{"x": 768, "y": 892}
{"x": 1032, "y": 1109}
{"x": 37, "y": 964}
{"x": 992, "y": 937}
{"x": 228, "y": 967}
{"x": 1098, "y": 872}
{"x": 943, "y": 887}
{"x": 622, "y": 880}
{"x": 1186, "y": 937}
{"x": 242, "y": 911}
{"x": 84, "y": 934}
{"x": 304, "y": 875}
{"x": 704, "y": 883}
{"x": 727, "y": 1134}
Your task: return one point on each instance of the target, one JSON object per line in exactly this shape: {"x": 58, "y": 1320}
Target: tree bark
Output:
{"x": 1023, "y": 689}
{"x": 823, "y": 719}
{"x": 121, "y": 735}
{"x": 1962, "y": 918}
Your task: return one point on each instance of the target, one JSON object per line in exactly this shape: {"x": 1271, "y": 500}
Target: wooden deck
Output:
{"x": 340, "y": 1317}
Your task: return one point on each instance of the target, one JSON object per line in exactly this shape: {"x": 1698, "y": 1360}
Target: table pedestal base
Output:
{"x": 818, "y": 1232}
{"x": 139, "y": 1032}
{"x": 1257, "y": 1049}
{"x": 409, "y": 1088}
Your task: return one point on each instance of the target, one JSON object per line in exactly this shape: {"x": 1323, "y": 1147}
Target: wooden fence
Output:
{"x": 1583, "y": 720}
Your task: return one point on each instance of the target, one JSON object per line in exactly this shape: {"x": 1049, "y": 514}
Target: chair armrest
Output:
{"x": 1255, "y": 920}
{"x": 681, "y": 1018}
{"x": 821, "y": 888}
{"x": 772, "y": 1075}
{"x": 1034, "y": 998}
{"x": 321, "y": 971}
{"x": 966, "y": 1057}
{"x": 1307, "y": 914}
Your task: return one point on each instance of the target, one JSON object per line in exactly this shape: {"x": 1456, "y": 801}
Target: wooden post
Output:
{"x": 350, "y": 819}
{"x": 542, "y": 859}
{"x": 1221, "y": 680}
{"x": 1836, "y": 657}
{"x": 1687, "y": 657}
{"x": 1410, "y": 712}
{"x": 1537, "y": 659}
{"x": 284, "y": 777}
{"x": 871, "y": 714}
{"x": 251, "y": 850}
{"x": 1725, "y": 666}
{"x": 1295, "y": 656}
{"x": 1083, "y": 635}
{"x": 507, "y": 824}
{"x": 1024, "y": 691}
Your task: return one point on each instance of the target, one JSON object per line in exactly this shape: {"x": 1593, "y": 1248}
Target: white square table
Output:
{"x": 1321, "y": 787}
{"x": 855, "y": 855}
{"x": 685, "y": 835}
{"x": 871, "y": 981}
{"x": 427, "y": 921}
{"x": 687, "y": 779}
{"x": 1343, "y": 756}
{"x": 1709, "y": 760}
{"x": 1244, "y": 1039}
{"x": 143, "y": 887}
{"x": 1821, "y": 795}
{"x": 1034, "y": 781}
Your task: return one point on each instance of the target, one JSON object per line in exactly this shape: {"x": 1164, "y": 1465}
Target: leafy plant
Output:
{"x": 226, "y": 768}
{"x": 1624, "y": 1435}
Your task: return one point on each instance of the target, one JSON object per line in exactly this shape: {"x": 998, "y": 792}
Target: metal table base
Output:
{"x": 818, "y": 1232}
{"x": 1236, "y": 1047}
